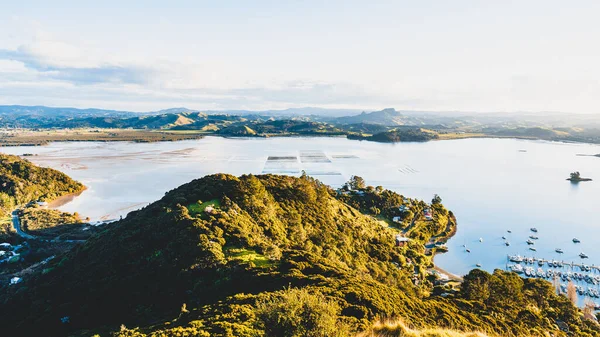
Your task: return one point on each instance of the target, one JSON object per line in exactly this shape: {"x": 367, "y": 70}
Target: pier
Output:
{"x": 564, "y": 264}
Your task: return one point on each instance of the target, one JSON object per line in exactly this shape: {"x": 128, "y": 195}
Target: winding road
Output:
{"x": 17, "y": 225}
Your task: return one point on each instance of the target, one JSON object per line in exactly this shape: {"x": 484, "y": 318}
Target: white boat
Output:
{"x": 576, "y": 240}
{"x": 516, "y": 258}
{"x": 541, "y": 273}
{"x": 517, "y": 268}
{"x": 583, "y": 255}
{"x": 558, "y": 250}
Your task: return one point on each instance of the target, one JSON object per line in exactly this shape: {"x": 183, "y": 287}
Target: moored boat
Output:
{"x": 516, "y": 258}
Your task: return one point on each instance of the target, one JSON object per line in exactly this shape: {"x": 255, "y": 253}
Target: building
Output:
{"x": 427, "y": 214}
{"x": 397, "y": 219}
{"x": 401, "y": 240}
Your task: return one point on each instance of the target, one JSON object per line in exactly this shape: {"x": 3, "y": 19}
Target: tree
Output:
{"x": 436, "y": 200}
{"x": 476, "y": 285}
{"x": 356, "y": 183}
{"x": 298, "y": 313}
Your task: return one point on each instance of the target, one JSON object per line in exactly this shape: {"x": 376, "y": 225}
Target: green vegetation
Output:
{"x": 45, "y": 124}
{"x": 249, "y": 256}
{"x": 575, "y": 177}
{"x": 22, "y": 182}
{"x": 299, "y": 313}
{"x": 199, "y": 207}
{"x": 52, "y": 223}
{"x": 280, "y": 256}
{"x": 410, "y": 134}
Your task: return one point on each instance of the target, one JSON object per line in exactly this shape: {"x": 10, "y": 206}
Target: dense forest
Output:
{"x": 273, "y": 256}
{"x": 22, "y": 182}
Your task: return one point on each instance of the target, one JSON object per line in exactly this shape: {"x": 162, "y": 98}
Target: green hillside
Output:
{"x": 272, "y": 256}
{"x": 22, "y": 182}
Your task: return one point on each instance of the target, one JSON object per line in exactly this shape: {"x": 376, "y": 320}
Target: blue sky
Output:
{"x": 426, "y": 55}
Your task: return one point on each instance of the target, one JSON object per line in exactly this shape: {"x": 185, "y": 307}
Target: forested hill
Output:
{"x": 272, "y": 256}
{"x": 22, "y": 182}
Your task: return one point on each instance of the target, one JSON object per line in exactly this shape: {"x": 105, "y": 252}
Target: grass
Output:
{"x": 42, "y": 137}
{"x": 397, "y": 328}
{"x": 246, "y": 255}
{"x": 456, "y": 135}
{"x": 196, "y": 208}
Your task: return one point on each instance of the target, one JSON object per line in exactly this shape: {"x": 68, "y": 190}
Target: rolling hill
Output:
{"x": 271, "y": 256}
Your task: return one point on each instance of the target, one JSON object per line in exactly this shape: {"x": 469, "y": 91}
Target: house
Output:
{"x": 403, "y": 208}
{"x": 42, "y": 204}
{"x": 397, "y": 219}
{"x": 427, "y": 214}
{"x": 209, "y": 209}
{"x": 401, "y": 240}
{"x": 15, "y": 280}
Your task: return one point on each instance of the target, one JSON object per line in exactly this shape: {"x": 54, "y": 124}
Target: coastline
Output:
{"x": 29, "y": 137}
{"x": 445, "y": 239}
{"x": 65, "y": 199}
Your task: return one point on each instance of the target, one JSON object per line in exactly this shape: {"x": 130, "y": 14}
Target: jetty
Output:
{"x": 565, "y": 264}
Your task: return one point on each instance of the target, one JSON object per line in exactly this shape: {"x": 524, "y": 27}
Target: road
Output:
{"x": 412, "y": 223}
{"x": 17, "y": 225}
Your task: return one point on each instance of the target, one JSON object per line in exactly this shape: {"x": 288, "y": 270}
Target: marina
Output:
{"x": 585, "y": 278}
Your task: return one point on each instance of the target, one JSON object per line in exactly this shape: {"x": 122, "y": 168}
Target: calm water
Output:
{"x": 491, "y": 184}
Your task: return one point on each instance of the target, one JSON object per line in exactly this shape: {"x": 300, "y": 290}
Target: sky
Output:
{"x": 486, "y": 56}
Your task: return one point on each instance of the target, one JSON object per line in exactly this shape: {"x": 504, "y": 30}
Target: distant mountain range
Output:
{"x": 384, "y": 117}
{"x": 307, "y": 121}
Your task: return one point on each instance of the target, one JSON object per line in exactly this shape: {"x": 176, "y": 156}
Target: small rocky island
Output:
{"x": 576, "y": 177}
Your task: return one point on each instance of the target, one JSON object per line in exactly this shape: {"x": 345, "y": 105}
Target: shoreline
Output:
{"x": 150, "y": 136}
{"x": 65, "y": 199}
{"x": 445, "y": 239}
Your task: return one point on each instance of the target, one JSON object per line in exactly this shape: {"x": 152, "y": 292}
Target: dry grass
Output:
{"x": 397, "y": 328}
{"x": 42, "y": 137}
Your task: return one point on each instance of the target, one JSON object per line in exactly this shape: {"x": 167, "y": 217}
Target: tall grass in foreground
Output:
{"x": 397, "y": 328}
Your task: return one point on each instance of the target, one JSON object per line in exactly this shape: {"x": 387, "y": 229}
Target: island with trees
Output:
{"x": 575, "y": 177}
